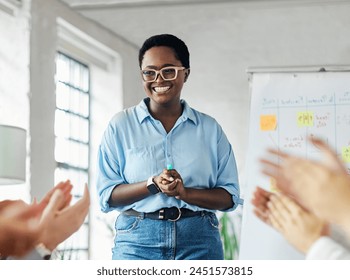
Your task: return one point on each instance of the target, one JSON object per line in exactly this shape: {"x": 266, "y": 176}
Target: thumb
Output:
{"x": 54, "y": 204}
{"x": 331, "y": 159}
{"x": 35, "y": 201}
{"x": 85, "y": 200}
{"x": 86, "y": 195}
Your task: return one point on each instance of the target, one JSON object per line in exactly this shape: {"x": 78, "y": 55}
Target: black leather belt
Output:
{"x": 171, "y": 214}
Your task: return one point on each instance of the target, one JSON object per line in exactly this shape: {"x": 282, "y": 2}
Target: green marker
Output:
{"x": 169, "y": 166}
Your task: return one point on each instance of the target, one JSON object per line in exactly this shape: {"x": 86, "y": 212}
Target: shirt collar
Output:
{"x": 142, "y": 110}
{"x": 143, "y": 113}
{"x": 188, "y": 112}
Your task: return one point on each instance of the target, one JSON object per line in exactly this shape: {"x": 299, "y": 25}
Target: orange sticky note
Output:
{"x": 268, "y": 122}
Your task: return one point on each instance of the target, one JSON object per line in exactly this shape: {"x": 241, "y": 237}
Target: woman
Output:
{"x": 165, "y": 166}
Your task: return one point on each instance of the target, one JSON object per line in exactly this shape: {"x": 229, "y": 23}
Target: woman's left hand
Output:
{"x": 170, "y": 182}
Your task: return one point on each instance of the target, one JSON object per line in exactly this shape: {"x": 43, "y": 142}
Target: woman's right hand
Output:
{"x": 170, "y": 183}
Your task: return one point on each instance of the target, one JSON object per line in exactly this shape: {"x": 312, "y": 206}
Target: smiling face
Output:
{"x": 163, "y": 92}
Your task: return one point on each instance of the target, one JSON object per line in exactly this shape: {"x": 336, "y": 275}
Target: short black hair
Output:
{"x": 167, "y": 40}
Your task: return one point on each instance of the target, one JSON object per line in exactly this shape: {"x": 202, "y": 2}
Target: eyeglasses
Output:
{"x": 168, "y": 73}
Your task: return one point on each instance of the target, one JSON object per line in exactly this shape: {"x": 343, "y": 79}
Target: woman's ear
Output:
{"x": 187, "y": 73}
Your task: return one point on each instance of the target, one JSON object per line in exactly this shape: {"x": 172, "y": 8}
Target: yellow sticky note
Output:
{"x": 268, "y": 122}
{"x": 305, "y": 118}
{"x": 273, "y": 185}
{"x": 345, "y": 152}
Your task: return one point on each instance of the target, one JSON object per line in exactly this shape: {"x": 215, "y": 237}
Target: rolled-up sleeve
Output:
{"x": 227, "y": 170}
{"x": 108, "y": 175}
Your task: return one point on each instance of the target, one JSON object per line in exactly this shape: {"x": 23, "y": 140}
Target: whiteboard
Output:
{"x": 287, "y": 108}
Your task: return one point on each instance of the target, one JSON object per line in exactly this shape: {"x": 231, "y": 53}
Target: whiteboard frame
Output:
{"x": 299, "y": 69}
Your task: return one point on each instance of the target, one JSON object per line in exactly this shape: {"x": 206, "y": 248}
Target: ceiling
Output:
{"x": 135, "y": 20}
{"x": 125, "y": 17}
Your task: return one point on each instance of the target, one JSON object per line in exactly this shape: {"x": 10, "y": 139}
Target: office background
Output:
{"x": 97, "y": 42}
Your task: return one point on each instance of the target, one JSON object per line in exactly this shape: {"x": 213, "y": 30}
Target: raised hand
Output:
{"x": 322, "y": 187}
{"x": 60, "y": 223}
{"x": 19, "y": 227}
{"x": 300, "y": 227}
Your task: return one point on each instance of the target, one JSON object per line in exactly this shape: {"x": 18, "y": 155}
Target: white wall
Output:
{"x": 14, "y": 80}
{"x": 102, "y": 109}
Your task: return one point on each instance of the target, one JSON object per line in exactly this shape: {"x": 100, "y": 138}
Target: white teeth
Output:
{"x": 161, "y": 89}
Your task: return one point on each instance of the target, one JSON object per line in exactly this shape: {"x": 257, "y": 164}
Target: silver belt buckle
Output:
{"x": 161, "y": 214}
{"x": 178, "y": 217}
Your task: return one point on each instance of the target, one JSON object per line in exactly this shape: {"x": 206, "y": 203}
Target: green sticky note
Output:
{"x": 345, "y": 152}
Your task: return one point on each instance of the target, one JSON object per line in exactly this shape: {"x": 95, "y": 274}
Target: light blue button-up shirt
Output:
{"x": 135, "y": 146}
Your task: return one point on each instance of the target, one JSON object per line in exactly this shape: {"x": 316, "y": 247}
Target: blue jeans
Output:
{"x": 190, "y": 238}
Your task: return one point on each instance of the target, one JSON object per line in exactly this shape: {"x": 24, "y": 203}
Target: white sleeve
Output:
{"x": 32, "y": 255}
{"x": 326, "y": 248}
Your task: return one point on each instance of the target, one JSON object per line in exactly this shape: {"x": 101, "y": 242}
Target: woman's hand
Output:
{"x": 170, "y": 183}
